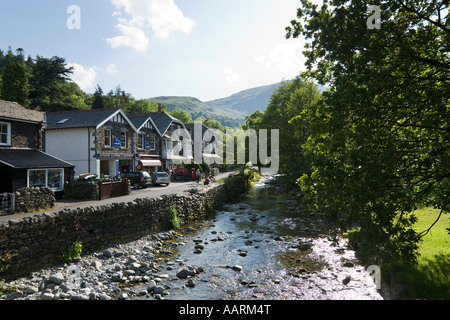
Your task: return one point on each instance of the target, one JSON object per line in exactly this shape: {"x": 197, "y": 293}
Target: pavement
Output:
{"x": 149, "y": 192}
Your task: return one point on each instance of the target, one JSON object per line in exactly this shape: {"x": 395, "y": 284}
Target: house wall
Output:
{"x": 122, "y": 157}
{"x": 75, "y": 146}
{"x": 148, "y": 133}
{"x": 25, "y": 134}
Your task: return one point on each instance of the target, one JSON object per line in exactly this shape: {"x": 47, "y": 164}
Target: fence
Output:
{"x": 112, "y": 189}
{"x": 7, "y": 203}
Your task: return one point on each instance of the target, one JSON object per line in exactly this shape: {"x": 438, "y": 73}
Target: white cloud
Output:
{"x": 111, "y": 69}
{"x": 285, "y": 58}
{"x": 85, "y": 78}
{"x": 159, "y": 17}
{"x": 131, "y": 37}
{"x": 231, "y": 75}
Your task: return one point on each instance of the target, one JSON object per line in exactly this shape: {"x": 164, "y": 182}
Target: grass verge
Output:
{"x": 430, "y": 279}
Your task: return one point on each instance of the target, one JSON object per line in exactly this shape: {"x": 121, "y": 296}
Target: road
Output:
{"x": 149, "y": 192}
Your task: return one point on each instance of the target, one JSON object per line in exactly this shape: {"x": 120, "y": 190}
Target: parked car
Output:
{"x": 138, "y": 179}
{"x": 161, "y": 178}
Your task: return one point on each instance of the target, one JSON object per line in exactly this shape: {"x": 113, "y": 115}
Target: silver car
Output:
{"x": 160, "y": 178}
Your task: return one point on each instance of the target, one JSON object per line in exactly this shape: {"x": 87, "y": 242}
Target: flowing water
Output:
{"x": 265, "y": 246}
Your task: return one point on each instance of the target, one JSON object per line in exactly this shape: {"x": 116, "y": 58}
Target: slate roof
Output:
{"x": 163, "y": 121}
{"x": 140, "y": 119}
{"x": 78, "y": 119}
{"x": 15, "y": 111}
{"x": 30, "y": 158}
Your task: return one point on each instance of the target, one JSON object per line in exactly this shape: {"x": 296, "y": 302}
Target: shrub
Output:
{"x": 74, "y": 251}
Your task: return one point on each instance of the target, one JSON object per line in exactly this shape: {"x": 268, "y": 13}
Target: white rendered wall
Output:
{"x": 75, "y": 146}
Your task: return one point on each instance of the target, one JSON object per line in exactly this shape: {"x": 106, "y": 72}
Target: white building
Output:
{"x": 101, "y": 142}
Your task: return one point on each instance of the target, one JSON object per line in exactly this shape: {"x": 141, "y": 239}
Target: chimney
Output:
{"x": 159, "y": 107}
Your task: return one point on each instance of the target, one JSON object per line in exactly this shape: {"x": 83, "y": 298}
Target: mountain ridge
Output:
{"x": 229, "y": 111}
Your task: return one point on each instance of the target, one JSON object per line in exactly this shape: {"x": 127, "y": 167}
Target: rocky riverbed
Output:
{"x": 260, "y": 247}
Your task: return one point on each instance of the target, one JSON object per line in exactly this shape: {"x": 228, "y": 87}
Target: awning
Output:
{"x": 30, "y": 159}
{"x": 211, "y": 156}
{"x": 150, "y": 163}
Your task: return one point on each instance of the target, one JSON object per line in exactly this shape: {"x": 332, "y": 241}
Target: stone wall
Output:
{"x": 33, "y": 243}
{"x": 81, "y": 190}
{"x": 33, "y": 199}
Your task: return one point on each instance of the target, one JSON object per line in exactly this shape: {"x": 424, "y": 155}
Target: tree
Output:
{"x": 286, "y": 104}
{"x": 98, "y": 101}
{"x": 182, "y": 115}
{"x": 380, "y": 138}
{"x": 15, "y": 84}
{"x": 144, "y": 106}
{"x": 48, "y": 82}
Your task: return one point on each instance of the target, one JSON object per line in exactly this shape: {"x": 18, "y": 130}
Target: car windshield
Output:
{"x": 162, "y": 175}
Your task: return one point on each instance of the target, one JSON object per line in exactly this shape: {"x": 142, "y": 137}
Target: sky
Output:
{"x": 207, "y": 49}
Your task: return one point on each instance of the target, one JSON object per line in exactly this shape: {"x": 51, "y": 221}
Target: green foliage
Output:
{"x": 74, "y": 251}
{"x": 6, "y": 288}
{"x": 252, "y": 176}
{"x": 196, "y": 109}
{"x": 379, "y": 144}
{"x": 173, "y": 219}
{"x": 182, "y": 115}
{"x": 291, "y": 99}
{"x": 14, "y": 84}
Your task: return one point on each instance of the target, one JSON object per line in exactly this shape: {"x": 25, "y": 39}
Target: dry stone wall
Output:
{"x": 32, "y": 199}
{"x": 31, "y": 243}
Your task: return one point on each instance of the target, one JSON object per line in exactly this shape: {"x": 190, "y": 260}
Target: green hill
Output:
{"x": 196, "y": 108}
{"x": 230, "y": 111}
{"x": 247, "y": 101}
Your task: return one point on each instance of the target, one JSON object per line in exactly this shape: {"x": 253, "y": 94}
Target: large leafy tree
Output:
{"x": 14, "y": 84}
{"x": 380, "y": 138}
{"x": 48, "y": 83}
{"x": 286, "y": 103}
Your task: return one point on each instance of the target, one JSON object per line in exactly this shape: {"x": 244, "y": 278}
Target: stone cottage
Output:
{"x": 23, "y": 162}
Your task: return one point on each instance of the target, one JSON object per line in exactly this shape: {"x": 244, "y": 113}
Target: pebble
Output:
{"x": 97, "y": 276}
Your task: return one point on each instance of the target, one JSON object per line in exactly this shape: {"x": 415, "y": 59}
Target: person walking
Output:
{"x": 198, "y": 175}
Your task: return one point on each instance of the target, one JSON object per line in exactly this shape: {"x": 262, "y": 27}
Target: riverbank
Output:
{"x": 253, "y": 248}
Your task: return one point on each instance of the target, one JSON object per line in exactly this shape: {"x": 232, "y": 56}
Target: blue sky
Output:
{"x": 207, "y": 49}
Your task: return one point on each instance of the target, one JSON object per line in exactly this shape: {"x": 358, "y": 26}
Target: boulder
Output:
{"x": 186, "y": 271}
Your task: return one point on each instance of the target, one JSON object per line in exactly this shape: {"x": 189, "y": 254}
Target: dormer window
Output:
{"x": 5, "y": 133}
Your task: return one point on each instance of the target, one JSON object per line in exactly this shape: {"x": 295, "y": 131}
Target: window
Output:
{"x": 51, "y": 178}
{"x": 55, "y": 179}
{"x": 5, "y": 133}
{"x": 123, "y": 139}
{"x": 63, "y": 121}
{"x": 168, "y": 144}
{"x": 152, "y": 143}
{"x": 107, "y": 138}
{"x": 141, "y": 141}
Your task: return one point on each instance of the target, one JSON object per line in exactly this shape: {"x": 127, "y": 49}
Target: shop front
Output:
{"x": 112, "y": 164}
{"x": 149, "y": 163}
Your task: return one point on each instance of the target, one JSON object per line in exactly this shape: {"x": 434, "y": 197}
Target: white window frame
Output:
{"x": 109, "y": 136}
{"x": 8, "y": 134}
{"x": 141, "y": 141}
{"x": 152, "y": 143}
{"x": 123, "y": 139}
{"x": 46, "y": 177}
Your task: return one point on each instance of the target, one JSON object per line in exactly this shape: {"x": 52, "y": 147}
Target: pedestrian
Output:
{"x": 198, "y": 175}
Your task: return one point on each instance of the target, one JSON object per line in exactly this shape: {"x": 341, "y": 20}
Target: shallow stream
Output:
{"x": 264, "y": 246}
